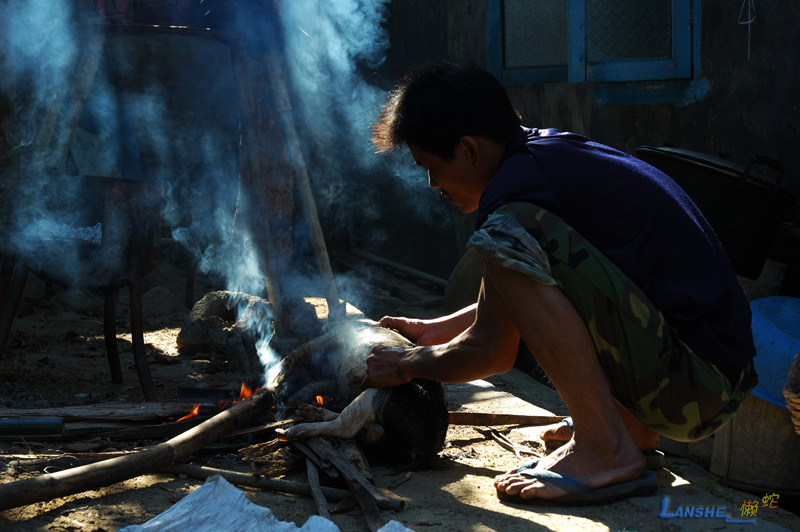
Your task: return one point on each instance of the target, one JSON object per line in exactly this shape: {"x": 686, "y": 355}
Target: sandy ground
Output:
{"x": 56, "y": 357}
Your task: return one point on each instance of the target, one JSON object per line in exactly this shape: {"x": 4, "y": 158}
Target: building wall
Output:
{"x": 749, "y": 105}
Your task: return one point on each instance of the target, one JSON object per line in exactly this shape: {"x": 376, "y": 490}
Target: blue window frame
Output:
{"x": 592, "y": 40}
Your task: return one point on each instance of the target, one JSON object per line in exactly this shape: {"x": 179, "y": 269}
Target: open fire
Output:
{"x": 193, "y": 413}
{"x": 244, "y": 392}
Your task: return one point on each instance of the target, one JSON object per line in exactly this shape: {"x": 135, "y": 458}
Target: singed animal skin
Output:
{"x": 407, "y": 424}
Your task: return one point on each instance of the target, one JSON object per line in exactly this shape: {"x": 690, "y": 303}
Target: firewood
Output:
{"x": 316, "y": 490}
{"x": 106, "y": 411}
{"x": 487, "y": 419}
{"x": 368, "y": 504}
{"x": 269, "y": 426}
{"x": 352, "y": 452}
{"x": 254, "y": 481}
{"x": 326, "y": 451}
{"x": 83, "y": 457}
{"x": 260, "y": 451}
{"x": 279, "y": 463}
{"x": 93, "y": 476}
{"x": 331, "y": 471}
{"x": 145, "y": 432}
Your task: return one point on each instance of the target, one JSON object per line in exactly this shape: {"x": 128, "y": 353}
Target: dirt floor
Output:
{"x": 56, "y": 357}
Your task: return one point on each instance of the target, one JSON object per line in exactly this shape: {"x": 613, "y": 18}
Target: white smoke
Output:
{"x": 331, "y": 49}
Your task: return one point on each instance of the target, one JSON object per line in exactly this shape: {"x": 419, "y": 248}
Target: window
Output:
{"x": 592, "y": 40}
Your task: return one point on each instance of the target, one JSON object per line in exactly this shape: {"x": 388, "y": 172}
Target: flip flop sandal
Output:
{"x": 654, "y": 460}
{"x": 578, "y": 493}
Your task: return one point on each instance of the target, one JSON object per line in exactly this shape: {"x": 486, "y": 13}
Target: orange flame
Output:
{"x": 320, "y": 400}
{"x": 194, "y": 412}
{"x": 244, "y": 393}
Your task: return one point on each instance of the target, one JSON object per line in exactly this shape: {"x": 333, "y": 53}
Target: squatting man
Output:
{"x": 600, "y": 263}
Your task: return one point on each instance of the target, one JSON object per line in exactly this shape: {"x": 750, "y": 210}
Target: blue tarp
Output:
{"x": 776, "y": 333}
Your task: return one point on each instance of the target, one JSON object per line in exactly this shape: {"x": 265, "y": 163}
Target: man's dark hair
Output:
{"x": 434, "y": 106}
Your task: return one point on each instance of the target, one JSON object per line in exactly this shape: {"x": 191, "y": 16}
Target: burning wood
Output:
{"x": 191, "y": 414}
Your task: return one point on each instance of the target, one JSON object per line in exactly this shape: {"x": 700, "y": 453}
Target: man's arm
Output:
{"x": 487, "y": 347}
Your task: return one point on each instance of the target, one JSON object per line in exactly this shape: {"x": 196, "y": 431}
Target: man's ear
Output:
{"x": 472, "y": 147}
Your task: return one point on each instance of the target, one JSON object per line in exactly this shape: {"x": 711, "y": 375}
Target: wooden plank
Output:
{"x": 106, "y": 411}
{"x": 316, "y": 489}
{"x": 488, "y": 419}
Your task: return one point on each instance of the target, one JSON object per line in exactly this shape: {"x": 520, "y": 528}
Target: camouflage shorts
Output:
{"x": 651, "y": 372}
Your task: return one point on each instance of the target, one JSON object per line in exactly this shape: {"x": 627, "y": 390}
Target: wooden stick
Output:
{"x": 432, "y": 279}
{"x": 53, "y": 456}
{"x": 486, "y": 419}
{"x": 316, "y": 492}
{"x": 93, "y": 476}
{"x": 326, "y": 451}
{"x": 336, "y": 307}
{"x": 269, "y": 426}
{"x": 254, "y": 481}
{"x": 331, "y": 471}
{"x": 353, "y": 453}
{"x": 368, "y": 505}
{"x": 145, "y": 432}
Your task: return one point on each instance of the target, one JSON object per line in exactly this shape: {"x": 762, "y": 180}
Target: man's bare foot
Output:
{"x": 594, "y": 468}
{"x": 647, "y": 439}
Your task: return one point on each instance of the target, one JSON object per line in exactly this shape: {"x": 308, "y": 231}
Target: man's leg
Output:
{"x": 578, "y": 292}
{"x": 602, "y": 451}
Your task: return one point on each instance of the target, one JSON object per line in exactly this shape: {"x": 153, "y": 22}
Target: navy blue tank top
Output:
{"x": 643, "y": 222}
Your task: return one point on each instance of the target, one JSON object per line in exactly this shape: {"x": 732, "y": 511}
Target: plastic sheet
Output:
{"x": 217, "y": 506}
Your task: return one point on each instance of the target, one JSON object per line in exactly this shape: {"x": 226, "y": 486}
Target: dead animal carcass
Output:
{"x": 406, "y": 424}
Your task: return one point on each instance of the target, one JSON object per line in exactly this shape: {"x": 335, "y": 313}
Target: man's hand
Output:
{"x": 434, "y": 331}
{"x": 418, "y": 331}
{"x": 383, "y": 367}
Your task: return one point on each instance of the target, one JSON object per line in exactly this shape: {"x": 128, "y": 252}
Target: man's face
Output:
{"x": 460, "y": 179}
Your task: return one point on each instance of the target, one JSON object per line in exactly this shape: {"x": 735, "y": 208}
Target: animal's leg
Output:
{"x": 315, "y": 413}
{"x": 356, "y": 416}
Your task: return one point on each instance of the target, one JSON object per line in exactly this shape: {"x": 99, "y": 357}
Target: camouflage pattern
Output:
{"x": 652, "y": 373}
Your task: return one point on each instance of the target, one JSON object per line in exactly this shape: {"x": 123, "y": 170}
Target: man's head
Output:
{"x": 435, "y": 106}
